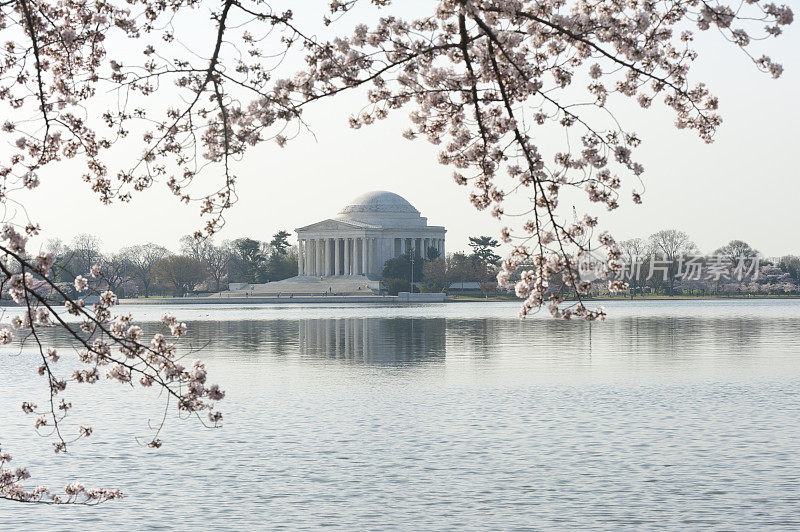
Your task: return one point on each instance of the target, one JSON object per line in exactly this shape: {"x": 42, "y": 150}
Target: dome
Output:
{"x": 379, "y": 202}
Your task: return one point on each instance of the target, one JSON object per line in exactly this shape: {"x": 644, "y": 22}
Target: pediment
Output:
{"x": 331, "y": 225}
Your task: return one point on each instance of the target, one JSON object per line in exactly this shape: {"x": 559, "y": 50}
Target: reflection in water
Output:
{"x": 537, "y": 345}
{"x": 414, "y": 340}
{"x": 374, "y": 340}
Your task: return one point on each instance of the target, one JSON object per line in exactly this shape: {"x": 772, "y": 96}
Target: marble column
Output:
{"x": 354, "y": 258}
{"x": 353, "y": 261}
{"x": 310, "y": 257}
{"x": 357, "y": 256}
{"x": 363, "y": 256}
{"x": 328, "y": 255}
{"x": 368, "y": 252}
{"x": 299, "y": 257}
{"x": 318, "y": 244}
{"x": 336, "y": 256}
{"x": 347, "y": 256}
{"x": 306, "y": 257}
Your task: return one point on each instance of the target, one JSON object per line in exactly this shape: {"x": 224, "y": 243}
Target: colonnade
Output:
{"x": 417, "y": 246}
{"x": 358, "y": 255}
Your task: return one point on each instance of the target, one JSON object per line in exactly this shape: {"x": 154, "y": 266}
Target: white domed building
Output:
{"x": 373, "y": 228}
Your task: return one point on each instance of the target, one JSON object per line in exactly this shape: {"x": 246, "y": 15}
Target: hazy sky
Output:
{"x": 745, "y": 185}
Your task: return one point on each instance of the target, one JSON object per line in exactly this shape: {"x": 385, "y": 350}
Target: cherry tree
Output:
{"x": 481, "y": 79}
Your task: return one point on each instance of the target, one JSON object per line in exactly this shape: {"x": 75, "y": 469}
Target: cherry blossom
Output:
{"x": 112, "y": 346}
{"x": 12, "y": 488}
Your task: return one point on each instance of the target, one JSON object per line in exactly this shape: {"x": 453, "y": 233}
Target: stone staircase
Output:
{"x": 307, "y": 286}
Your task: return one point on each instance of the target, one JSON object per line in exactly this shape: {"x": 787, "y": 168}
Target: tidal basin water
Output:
{"x": 676, "y": 415}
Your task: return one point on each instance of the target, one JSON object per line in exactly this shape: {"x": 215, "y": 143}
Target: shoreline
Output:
{"x": 397, "y": 300}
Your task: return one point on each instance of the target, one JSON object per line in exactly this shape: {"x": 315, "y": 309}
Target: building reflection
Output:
{"x": 408, "y": 341}
{"x": 374, "y": 340}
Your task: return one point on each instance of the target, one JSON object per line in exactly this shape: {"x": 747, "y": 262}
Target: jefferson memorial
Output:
{"x": 344, "y": 256}
{"x": 373, "y": 228}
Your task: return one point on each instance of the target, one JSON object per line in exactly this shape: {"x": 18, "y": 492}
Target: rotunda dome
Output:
{"x": 382, "y": 209}
{"x": 379, "y": 202}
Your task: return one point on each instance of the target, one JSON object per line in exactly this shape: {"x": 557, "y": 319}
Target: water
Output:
{"x": 669, "y": 415}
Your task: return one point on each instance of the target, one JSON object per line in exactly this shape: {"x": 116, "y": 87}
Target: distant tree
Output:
{"x": 62, "y": 255}
{"x": 281, "y": 265}
{"x": 217, "y": 260}
{"x": 116, "y": 270}
{"x": 738, "y": 251}
{"x": 143, "y": 259}
{"x": 395, "y": 285}
{"x": 671, "y": 244}
{"x": 441, "y": 273}
{"x": 432, "y": 253}
{"x": 791, "y": 265}
{"x": 435, "y": 274}
{"x": 635, "y": 253}
{"x": 248, "y": 264}
{"x": 280, "y": 241}
{"x": 462, "y": 268}
{"x": 483, "y": 248}
{"x": 772, "y": 280}
{"x": 181, "y": 272}
{"x": 195, "y": 247}
{"x": 488, "y": 287}
{"x": 85, "y": 253}
{"x": 400, "y": 268}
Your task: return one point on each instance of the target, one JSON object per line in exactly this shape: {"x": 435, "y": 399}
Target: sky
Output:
{"x": 746, "y": 185}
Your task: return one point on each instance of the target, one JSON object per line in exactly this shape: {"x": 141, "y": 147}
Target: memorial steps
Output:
{"x": 306, "y": 286}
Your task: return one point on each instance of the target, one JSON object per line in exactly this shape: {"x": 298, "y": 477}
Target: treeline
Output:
{"x": 666, "y": 263}
{"x": 152, "y": 270}
{"x": 670, "y": 263}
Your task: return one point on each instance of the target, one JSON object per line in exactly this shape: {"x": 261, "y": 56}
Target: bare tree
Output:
{"x": 85, "y": 253}
{"x": 634, "y": 252}
{"x": 142, "y": 260}
{"x": 670, "y": 245}
{"x": 736, "y": 251}
{"x": 182, "y": 272}
{"x": 197, "y": 248}
{"x": 217, "y": 260}
{"x": 117, "y": 270}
